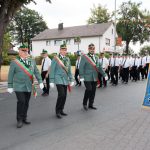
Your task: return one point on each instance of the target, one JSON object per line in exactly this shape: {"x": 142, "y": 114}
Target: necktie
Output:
{"x": 114, "y": 61}
{"x": 141, "y": 61}
{"x": 102, "y": 61}
{"x": 77, "y": 64}
{"x": 124, "y": 62}
{"x": 43, "y": 64}
{"x": 134, "y": 61}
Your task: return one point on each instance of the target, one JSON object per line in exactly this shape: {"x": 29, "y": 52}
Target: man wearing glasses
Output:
{"x": 20, "y": 79}
{"x": 88, "y": 70}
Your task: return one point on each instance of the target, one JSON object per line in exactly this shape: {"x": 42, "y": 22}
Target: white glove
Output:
{"x": 10, "y": 90}
{"x": 82, "y": 79}
{"x": 41, "y": 86}
{"x": 72, "y": 84}
{"x": 106, "y": 78}
{"x": 52, "y": 85}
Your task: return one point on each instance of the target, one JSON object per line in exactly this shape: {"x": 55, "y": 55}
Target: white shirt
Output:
{"x": 104, "y": 62}
{"x": 47, "y": 63}
{"x": 134, "y": 62}
{"x": 114, "y": 62}
{"x": 78, "y": 63}
{"x": 126, "y": 63}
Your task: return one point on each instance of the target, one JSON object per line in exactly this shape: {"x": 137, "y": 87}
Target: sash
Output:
{"x": 93, "y": 65}
{"x": 29, "y": 73}
{"x": 64, "y": 68}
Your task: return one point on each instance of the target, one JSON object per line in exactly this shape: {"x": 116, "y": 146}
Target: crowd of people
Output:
{"x": 90, "y": 70}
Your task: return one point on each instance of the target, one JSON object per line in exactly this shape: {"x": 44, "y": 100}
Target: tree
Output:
{"x": 8, "y": 8}
{"x": 25, "y": 25}
{"x": 99, "y": 15}
{"x": 132, "y": 25}
{"x": 145, "y": 50}
{"x": 77, "y": 40}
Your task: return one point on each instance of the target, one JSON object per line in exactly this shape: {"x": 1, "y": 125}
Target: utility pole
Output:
{"x": 115, "y": 29}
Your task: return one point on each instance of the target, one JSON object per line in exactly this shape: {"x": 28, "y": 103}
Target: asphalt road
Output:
{"x": 119, "y": 123}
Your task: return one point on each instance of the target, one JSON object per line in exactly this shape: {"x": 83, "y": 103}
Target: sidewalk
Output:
{"x": 3, "y": 87}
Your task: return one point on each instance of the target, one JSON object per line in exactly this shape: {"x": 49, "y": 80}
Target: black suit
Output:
{"x": 61, "y": 99}
{"x": 22, "y": 105}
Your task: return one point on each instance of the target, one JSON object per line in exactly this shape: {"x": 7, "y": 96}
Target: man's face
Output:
{"x": 44, "y": 55}
{"x": 91, "y": 49}
{"x": 63, "y": 51}
{"x": 23, "y": 53}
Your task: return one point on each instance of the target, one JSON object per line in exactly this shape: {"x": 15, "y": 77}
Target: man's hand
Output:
{"x": 41, "y": 86}
{"x": 106, "y": 78}
{"x": 10, "y": 90}
{"x": 82, "y": 79}
{"x": 52, "y": 85}
{"x": 72, "y": 84}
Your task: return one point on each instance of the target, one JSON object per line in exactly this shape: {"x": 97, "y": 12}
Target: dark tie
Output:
{"x": 77, "y": 64}
{"x": 134, "y": 61}
{"x": 43, "y": 64}
{"x": 102, "y": 61}
{"x": 124, "y": 62}
{"x": 114, "y": 61}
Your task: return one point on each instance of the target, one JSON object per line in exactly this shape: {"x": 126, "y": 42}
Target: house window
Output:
{"x": 48, "y": 43}
{"x": 57, "y": 42}
{"x": 68, "y": 41}
{"x": 107, "y": 41}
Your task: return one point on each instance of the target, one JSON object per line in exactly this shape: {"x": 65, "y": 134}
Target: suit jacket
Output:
{"x": 58, "y": 75}
{"x": 87, "y": 71}
{"x": 19, "y": 80}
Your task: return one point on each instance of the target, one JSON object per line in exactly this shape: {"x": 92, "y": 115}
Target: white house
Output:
{"x": 102, "y": 35}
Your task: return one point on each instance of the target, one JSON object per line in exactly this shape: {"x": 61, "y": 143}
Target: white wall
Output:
{"x": 38, "y": 46}
{"x": 99, "y": 42}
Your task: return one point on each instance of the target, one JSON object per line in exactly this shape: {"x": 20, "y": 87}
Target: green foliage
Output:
{"x": 25, "y": 25}
{"x": 99, "y": 14}
{"x": 72, "y": 57}
{"x": 131, "y": 25}
{"x": 145, "y": 50}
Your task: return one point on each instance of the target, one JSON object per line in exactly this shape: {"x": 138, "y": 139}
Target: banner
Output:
{"x": 146, "y": 102}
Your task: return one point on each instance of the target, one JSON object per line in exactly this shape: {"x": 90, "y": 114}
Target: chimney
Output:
{"x": 60, "y": 26}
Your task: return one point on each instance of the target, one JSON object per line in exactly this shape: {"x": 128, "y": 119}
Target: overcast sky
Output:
{"x": 74, "y": 12}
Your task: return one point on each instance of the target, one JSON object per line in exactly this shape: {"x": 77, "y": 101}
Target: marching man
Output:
{"x": 61, "y": 75}
{"x": 88, "y": 70}
{"x": 20, "y": 80}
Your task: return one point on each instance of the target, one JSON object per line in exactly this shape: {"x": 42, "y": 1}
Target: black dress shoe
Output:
{"x": 26, "y": 122}
{"x": 85, "y": 107}
{"x": 58, "y": 116}
{"x": 63, "y": 114}
{"x": 19, "y": 124}
{"x": 92, "y": 107}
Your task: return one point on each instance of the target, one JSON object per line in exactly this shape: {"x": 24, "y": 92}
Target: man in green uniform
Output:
{"x": 20, "y": 80}
{"x": 88, "y": 70}
{"x": 61, "y": 75}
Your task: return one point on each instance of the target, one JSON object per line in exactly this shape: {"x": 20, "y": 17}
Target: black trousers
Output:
{"x": 114, "y": 75}
{"x": 22, "y": 104}
{"x": 134, "y": 73}
{"x": 46, "y": 88}
{"x": 76, "y": 76}
{"x": 61, "y": 99}
{"x": 90, "y": 91}
{"x": 125, "y": 76}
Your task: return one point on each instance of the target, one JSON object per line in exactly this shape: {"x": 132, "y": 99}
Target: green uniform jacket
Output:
{"x": 58, "y": 74}
{"x": 18, "y": 80}
{"x": 87, "y": 71}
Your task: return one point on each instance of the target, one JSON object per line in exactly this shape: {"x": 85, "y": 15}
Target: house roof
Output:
{"x": 75, "y": 31}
